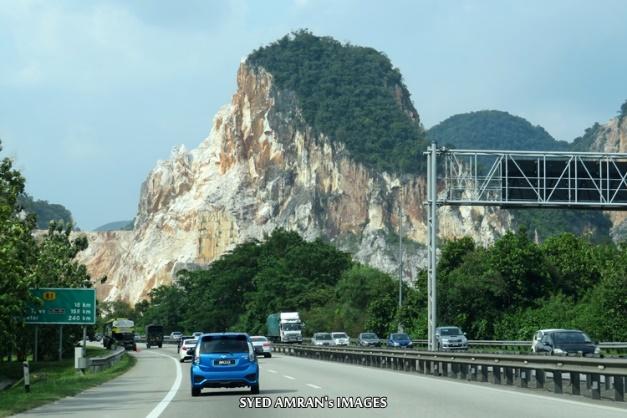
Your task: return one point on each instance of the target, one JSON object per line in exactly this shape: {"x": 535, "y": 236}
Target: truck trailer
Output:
{"x": 284, "y": 327}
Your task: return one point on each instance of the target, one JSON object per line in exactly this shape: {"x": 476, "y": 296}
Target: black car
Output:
{"x": 564, "y": 341}
{"x": 368, "y": 339}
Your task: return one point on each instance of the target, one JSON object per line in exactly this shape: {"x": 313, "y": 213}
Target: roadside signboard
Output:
{"x": 74, "y": 306}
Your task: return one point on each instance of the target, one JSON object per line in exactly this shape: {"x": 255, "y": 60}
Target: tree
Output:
{"x": 573, "y": 264}
{"x": 522, "y": 267}
{"x": 17, "y": 254}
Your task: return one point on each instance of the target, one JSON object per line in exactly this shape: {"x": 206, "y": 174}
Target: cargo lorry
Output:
{"x": 154, "y": 335}
{"x": 284, "y": 327}
{"x": 119, "y": 332}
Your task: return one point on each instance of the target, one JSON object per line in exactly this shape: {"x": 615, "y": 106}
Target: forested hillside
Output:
{"x": 493, "y": 129}
{"x": 351, "y": 94}
{"x": 45, "y": 212}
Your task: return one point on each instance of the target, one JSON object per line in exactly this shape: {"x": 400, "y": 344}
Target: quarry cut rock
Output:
{"x": 261, "y": 168}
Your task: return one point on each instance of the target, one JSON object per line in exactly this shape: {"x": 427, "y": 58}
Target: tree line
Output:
{"x": 505, "y": 291}
{"x": 29, "y": 261}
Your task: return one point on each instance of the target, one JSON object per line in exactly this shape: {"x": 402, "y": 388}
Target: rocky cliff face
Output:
{"x": 262, "y": 168}
{"x": 612, "y": 137}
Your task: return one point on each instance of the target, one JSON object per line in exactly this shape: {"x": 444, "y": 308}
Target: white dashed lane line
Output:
{"x": 272, "y": 371}
{"x": 289, "y": 377}
{"x": 313, "y": 386}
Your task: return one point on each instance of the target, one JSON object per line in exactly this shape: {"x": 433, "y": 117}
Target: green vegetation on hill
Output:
{"x": 45, "y": 212}
{"x": 506, "y": 291}
{"x": 116, "y": 226}
{"x": 549, "y": 222}
{"x": 493, "y": 129}
{"x": 351, "y": 94}
{"x": 584, "y": 143}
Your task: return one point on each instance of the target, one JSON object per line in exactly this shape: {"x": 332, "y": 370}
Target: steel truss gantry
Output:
{"x": 533, "y": 179}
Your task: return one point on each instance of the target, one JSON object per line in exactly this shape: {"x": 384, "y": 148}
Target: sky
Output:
{"x": 93, "y": 93}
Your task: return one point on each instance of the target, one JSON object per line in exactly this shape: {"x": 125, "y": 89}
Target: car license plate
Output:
{"x": 224, "y": 362}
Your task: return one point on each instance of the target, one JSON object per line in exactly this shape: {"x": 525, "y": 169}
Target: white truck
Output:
{"x": 285, "y": 327}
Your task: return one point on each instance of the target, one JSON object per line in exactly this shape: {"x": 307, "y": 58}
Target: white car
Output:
{"x": 340, "y": 338}
{"x": 262, "y": 345}
{"x": 187, "y": 344}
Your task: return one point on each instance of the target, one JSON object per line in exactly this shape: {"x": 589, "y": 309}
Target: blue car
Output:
{"x": 225, "y": 360}
{"x": 399, "y": 339}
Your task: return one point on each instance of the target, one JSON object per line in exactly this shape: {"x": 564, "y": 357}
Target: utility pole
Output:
{"x": 432, "y": 221}
{"x": 400, "y": 257}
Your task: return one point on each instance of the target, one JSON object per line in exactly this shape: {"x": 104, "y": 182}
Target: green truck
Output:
{"x": 154, "y": 335}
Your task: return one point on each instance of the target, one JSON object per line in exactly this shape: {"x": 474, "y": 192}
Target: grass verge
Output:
{"x": 51, "y": 381}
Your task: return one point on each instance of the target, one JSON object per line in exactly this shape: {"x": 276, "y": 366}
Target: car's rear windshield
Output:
{"x": 189, "y": 342}
{"x": 368, "y": 336}
{"x": 323, "y": 337}
{"x": 214, "y": 344}
{"x": 339, "y": 335}
{"x": 450, "y": 331}
{"x": 401, "y": 337}
{"x": 258, "y": 339}
{"x": 570, "y": 338}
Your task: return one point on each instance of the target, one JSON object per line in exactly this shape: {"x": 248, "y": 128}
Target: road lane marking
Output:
{"x": 313, "y": 386}
{"x": 289, "y": 377}
{"x": 161, "y": 406}
{"x": 272, "y": 371}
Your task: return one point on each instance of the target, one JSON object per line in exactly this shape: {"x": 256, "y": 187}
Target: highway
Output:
{"x": 158, "y": 386}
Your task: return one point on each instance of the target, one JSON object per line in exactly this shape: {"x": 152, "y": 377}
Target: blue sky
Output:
{"x": 93, "y": 93}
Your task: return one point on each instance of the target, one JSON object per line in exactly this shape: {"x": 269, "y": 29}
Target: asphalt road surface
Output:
{"x": 158, "y": 386}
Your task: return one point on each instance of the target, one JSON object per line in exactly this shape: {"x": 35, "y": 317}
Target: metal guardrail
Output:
{"x": 96, "y": 364}
{"x": 166, "y": 340}
{"x": 510, "y": 368}
{"x": 519, "y": 343}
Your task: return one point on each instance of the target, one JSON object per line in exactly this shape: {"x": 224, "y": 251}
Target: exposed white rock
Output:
{"x": 257, "y": 171}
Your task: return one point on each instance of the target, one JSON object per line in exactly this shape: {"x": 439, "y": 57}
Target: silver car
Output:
{"x": 322, "y": 338}
{"x": 450, "y": 339}
{"x": 340, "y": 338}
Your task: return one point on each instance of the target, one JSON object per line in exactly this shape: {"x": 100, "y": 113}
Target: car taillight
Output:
{"x": 266, "y": 344}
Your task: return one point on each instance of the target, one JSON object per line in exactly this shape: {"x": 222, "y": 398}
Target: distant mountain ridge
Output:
{"x": 44, "y": 211}
{"x": 493, "y": 129}
{"x": 115, "y": 226}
